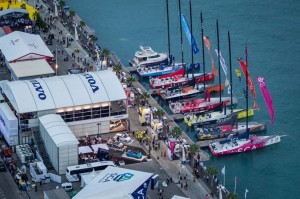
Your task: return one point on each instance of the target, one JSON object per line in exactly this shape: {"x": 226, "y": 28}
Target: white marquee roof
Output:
{"x": 31, "y": 68}
{"x": 58, "y": 130}
{"x": 20, "y": 46}
{"x": 115, "y": 183}
{"x": 63, "y": 91}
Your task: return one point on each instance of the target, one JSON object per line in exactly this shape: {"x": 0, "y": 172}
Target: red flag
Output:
{"x": 207, "y": 44}
{"x": 243, "y": 65}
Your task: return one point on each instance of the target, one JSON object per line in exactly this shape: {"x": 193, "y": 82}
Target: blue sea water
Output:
{"x": 271, "y": 31}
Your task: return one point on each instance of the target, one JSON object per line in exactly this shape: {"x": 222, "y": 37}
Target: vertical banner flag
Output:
{"x": 207, "y": 44}
{"x": 223, "y": 64}
{"x": 188, "y": 34}
{"x": 267, "y": 96}
{"x": 246, "y": 191}
{"x": 250, "y": 82}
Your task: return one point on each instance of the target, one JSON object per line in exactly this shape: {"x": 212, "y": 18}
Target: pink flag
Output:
{"x": 267, "y": 96}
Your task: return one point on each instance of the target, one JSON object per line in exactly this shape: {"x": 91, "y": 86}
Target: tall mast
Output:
{"x": 191, "y": 21}
{"x": 179, "y": 7}
{"x": 218, "y": 40}
{"x": 230, "y": 71}
{"x": 168, "y": 24}
{"x": 246, "y": 50}
{"x": 203, "y": 58}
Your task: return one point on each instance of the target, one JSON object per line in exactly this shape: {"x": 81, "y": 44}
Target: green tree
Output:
{"x": 232, "y": 196}
{"x": 212, "y": 170}
{"x": 61, "y": 3}
{"x": 194, "y": 148}
{"x": 160, "y": 113}
{"x": 117, "y": 68}
{"x": 130, "y": 80}
{"x": 82, "y": 23}
{"x": 176, "y": 132}
{"x": 145, "y": 96}
{"x": 94, "y": 38}
{"x": 104, "y": 53}
{"x": 72, "y": 14}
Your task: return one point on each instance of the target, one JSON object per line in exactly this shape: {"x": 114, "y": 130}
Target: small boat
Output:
{"x": 178, "y": 78}
{"x": 212, "y": 118}
{"x": 148, "y": 57}
{"x": 153, "y": 71}
{"x": 242, "y": 145}
{"x": 178, "y": 92}
{"x": 223, "y": 131}
{"x": 199, "y": 104}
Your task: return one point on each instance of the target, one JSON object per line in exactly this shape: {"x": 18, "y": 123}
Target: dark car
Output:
{"x": 2, "y": 166}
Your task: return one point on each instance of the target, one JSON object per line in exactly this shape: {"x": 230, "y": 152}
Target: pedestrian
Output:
{"x": 35, "y": 187}
{"x": 206, "y": 197}
{"x": 181, "y": 185}
{"x": 165, "y": 154}
{"x": 171, "y": 180}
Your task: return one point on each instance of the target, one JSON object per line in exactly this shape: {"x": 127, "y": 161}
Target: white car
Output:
{"x": 122, "y": 137}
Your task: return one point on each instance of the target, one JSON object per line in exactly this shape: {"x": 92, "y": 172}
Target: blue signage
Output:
{"x": 141, "y": 191}
{"x": 2, "y": 120}
{"x": 39, "y": 89}
{"x": 92, "y": 82}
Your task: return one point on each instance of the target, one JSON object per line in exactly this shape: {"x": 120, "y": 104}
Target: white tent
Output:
{"x": 63, "y": 91}
{"x": 21, "y": 46}
{"x": 60, "y": 143}
{"x": 116, "y": 183}
{"x": 178, "y": 197}
{"x": 8, "y": 124}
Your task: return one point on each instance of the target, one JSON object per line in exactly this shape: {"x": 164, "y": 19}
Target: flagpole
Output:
{"x": 234, "y": 185}
{"x": 224, "y": 179}
{"x": 168, "y": 25}
{"x": 247, "y": 71}
{"x": 218, "y": 35}
{"x": 230, "y": 68}
{"x": 203, "y": 58}
{"x": 181, "y": 39}
{"x": 191, "y": 21}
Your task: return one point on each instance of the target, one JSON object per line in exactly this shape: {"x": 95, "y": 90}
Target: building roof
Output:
{"x": 128, "y": 183}
{"x": 31, "y": 68}
{"x": 58, "y": 130}
{"x": 63, "y": 91}
{"x": 20, "y": 46}
{"x": 11, "y": 10}
{"x": 57, "y": 194}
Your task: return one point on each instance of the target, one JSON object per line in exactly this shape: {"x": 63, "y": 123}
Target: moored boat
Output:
{"x": 153, "y": 71}
{"x": 178, "y": 79}
{"x": 242, "y": 145}
{"x": 223, "y": 131}
{"x": 212, "y": 118}
{"x": 199, "y": 104}
{"x": 179, "y": 92}
{"x": 148, "y": 57}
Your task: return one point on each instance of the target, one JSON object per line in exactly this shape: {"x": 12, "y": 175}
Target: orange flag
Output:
{"x": 207, "y": 44}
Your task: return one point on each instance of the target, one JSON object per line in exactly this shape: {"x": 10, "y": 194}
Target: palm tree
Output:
{"x": 176, "y": 132}
{"x": 61, "y": 3}
{"x": 232, "y": 196}
{"x": 72, "y": 14}
{"x": 104, "y": 53}
{"x": 145, "y": 96}
{"x": 82, "y": 23}
{"x": 117, "y": 68}
{"x": 130, "y": 80}
{"x": 160, "y": 113}
{"x": 212, "y": 171}
{"x": 194, "y": 148}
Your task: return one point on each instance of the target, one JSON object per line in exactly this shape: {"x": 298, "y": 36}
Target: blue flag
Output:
{"x": 188, "y": 34}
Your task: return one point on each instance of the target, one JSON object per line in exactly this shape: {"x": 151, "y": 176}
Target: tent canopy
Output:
{"x": 20, "y": 46}
{"x": 63, "y": 91}
{"x": 127, "y": 182}
{"x": 58, "y": 130}
{"x": 31, "y": 68}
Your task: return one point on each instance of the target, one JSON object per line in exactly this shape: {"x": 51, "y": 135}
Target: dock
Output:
{"x": 170, "y": 118}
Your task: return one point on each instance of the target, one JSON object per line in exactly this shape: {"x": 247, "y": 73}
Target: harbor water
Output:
{"x": 271, "y": 31}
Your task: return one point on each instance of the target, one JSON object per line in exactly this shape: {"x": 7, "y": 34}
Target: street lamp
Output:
{"x": 98, "y": 124}
{"x": 56, "y": 65}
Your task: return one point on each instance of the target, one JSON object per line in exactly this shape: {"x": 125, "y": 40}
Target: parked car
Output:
{"x": 132, "y": 154}
{"x": 115, "y": 124}
{"x": 122, "y": 137}
{"x": 2, "y": 166}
